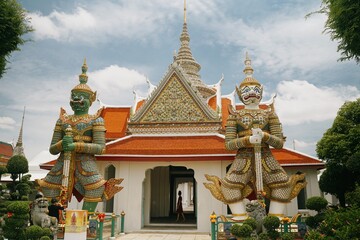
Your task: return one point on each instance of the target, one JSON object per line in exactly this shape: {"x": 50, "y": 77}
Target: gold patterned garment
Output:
{"x": 84, "y": 180}
{"x": 239, "y": 181}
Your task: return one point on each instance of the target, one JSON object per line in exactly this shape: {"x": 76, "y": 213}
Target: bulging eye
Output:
{"x": 246, "y": 89}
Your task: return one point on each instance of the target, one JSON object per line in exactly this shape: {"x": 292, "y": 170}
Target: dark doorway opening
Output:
{"x": 166, "y": 182}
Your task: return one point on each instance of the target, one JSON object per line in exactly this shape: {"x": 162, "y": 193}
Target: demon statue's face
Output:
{"x": 251, "y": 94}
{"x": 80, "y": 102}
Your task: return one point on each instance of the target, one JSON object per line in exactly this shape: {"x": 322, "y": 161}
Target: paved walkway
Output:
{"x": 163, "y": 236}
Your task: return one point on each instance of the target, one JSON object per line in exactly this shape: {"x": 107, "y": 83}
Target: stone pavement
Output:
{"x": 163, "y": 236}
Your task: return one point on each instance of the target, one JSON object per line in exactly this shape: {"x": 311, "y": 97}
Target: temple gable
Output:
{"x": 175, "y": 106}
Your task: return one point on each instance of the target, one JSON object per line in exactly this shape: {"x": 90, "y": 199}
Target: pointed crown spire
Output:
{"x": 83, "y": 87}
{"x": 248, "y": 70}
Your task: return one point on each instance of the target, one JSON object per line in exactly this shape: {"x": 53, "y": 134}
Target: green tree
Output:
{"x": 17, "y": 165}
{"x": 13, "y": 25}
{"x": 343, "y": 25}
{"x": 16, "y": 224}
{"x": 339, "y": 146}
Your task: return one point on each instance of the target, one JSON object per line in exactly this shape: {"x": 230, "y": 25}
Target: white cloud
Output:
{"x": 100, "y": 21}
{"x": 303, "y": 144}
{"x": 7, "y": 123}
{"x": 301, "y": 102}
{"x": 63, "y": 26}
{"x": 281, "y": 43}
{"x": 114, "y": 84}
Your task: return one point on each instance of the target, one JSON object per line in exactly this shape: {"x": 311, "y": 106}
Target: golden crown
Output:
{"x": 83, "y": 87}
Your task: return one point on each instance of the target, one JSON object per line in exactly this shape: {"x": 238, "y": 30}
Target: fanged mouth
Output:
{"x": 251, "y": 96}
{"x": 77, "y": 102}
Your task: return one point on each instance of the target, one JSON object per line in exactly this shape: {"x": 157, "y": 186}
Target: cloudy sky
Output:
{"x": 126, "y": 42}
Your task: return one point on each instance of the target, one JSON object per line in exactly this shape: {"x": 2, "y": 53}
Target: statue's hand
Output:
{"x": 68, "y": 144}
{"x": 257, "y": 135}
{"x": 255, "y": 139}
{"x": 257, "y": 132}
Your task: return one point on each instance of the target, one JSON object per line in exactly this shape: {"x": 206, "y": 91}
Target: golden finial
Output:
{"x": 248, "y": 69}
{"x": 84, "y": 67}
{"x": 184, "y": 11}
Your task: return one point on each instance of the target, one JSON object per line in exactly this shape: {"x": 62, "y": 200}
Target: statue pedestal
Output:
{"x": 75, "y": 225}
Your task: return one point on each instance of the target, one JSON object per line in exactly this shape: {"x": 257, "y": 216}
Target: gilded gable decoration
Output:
{"x": 174, "y": 106}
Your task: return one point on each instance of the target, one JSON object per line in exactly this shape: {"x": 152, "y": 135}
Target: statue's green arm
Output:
{"x": 98, "y": 139}
{"x": 56, "y": 140}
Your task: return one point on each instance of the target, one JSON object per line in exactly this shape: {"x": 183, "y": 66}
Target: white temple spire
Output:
{"x": 19, "y": 149}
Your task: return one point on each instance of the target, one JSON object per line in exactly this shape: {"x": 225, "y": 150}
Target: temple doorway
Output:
{"x": 164, "y": 183}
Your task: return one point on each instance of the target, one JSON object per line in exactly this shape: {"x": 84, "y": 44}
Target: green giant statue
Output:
{"x": 78, "y": 138}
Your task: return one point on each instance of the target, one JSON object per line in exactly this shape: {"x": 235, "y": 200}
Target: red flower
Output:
{"x": 101, "y": 217}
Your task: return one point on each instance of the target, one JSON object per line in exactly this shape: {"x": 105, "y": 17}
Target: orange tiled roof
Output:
{"x": 289, "y": 157}
{"x": 212, "y": 102}
{"x": 187, "y": 148}
{"x": 225, "y": 103}
{"x": 139, "y": 104}
{"x": 6, "y": 149}
{"x": 168, "y": 145}
{"x": 115, "y": 121}
{"x": 195, "y": 145}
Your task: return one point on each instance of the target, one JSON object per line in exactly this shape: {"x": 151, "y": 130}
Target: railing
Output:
{"x": 220, "y": 226}
{"x": 100, "y": 225}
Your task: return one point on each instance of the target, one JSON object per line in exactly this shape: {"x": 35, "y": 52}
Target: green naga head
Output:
{"x": 81, "y": 95}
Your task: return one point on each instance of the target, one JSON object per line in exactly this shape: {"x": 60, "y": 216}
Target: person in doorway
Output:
{"x": 179, "y": 208}
{"x": 54, "y": 208}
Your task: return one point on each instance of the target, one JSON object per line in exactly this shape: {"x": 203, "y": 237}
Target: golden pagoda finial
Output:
{"x": 248, "y": 69}
{"x": 184, "y": 11}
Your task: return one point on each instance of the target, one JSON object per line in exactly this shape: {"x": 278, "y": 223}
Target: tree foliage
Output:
{"x": 340, "y": 148}
{"x": 17, "y": 164}
{"x": 316, "y": 203}
{"x": 343, "y": 25}
{"x": 13, "y": 25}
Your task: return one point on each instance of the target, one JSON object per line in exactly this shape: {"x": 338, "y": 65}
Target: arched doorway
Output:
{"x": 161, "y": 197}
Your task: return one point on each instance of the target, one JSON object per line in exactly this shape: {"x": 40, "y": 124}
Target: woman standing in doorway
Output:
{"x": 179, "y": 209}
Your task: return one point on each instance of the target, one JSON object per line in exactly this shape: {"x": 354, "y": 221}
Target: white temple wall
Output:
{"x": 131, "y": 199}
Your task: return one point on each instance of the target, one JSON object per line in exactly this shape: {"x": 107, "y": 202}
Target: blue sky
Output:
{"x": 127, "y": 41}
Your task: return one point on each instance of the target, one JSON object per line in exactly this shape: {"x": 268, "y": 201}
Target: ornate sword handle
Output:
{"x": 66, "y": 171}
